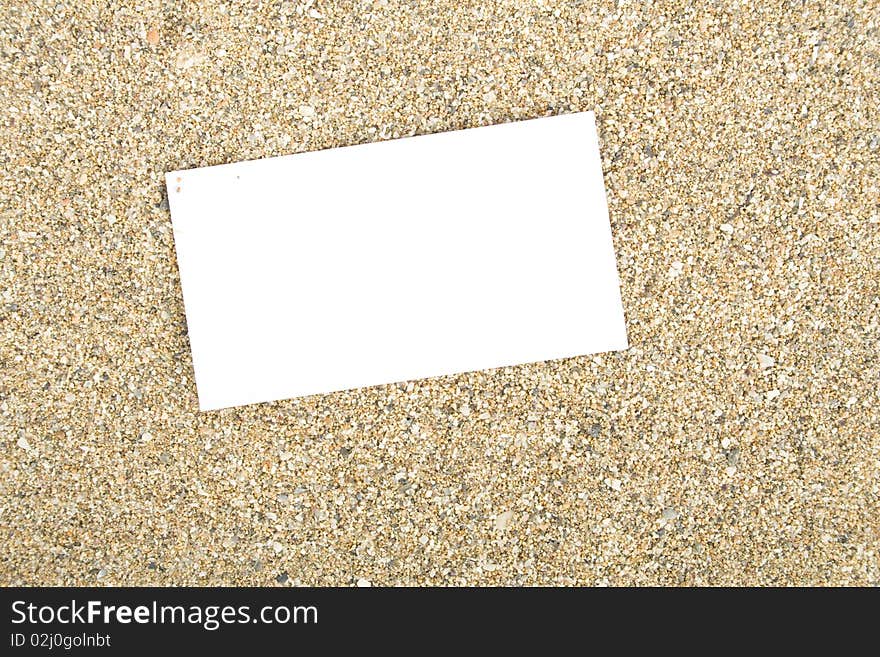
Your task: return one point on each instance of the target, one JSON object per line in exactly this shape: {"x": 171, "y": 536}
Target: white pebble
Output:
{"x": 502, "y": 520}
{"x": 613, "y": 484}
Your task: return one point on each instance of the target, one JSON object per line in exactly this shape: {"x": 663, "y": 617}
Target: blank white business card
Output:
{"x": 396, "y": 260}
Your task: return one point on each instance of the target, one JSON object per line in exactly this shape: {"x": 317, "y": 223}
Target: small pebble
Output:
{"x": 502, "y": 520}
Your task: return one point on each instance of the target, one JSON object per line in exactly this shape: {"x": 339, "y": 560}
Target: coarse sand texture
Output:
{"x": 737, "y": 441}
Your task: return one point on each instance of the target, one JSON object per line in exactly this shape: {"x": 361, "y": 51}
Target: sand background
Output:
{"x": 736, "y": 442}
